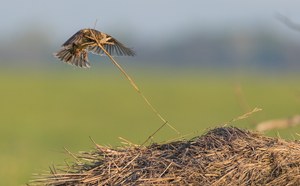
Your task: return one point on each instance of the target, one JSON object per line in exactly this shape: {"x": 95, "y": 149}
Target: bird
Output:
{"x": 75, "y": 50}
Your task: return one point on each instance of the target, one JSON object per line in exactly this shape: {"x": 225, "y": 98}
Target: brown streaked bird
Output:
{"x": 75, "y": 50}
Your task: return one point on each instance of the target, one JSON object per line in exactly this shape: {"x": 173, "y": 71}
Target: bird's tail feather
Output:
{"x": 67, "y": 56}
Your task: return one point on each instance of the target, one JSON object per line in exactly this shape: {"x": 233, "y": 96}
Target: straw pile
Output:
{"x": 223, "y": 156}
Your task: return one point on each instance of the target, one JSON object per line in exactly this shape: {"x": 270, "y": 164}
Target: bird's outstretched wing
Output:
{"x": 110, "y": 44}
{"x": 115, "y": 49}
{"x": 73, "y": 52}
{"x": 76, "y": 38}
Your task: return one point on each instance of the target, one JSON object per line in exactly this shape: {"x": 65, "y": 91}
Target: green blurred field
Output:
{"x": 44, "y": 111}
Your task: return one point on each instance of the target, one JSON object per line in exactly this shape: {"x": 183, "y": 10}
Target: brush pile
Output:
{"x": 223, "y": 156}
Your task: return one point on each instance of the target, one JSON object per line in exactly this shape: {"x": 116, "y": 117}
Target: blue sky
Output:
{"x": 153, "y": 18}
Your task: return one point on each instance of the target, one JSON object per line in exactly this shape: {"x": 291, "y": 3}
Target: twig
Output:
{"x": 246, "y": 115}
{"x": 165, "y": 170}
{"x": 239, "y": 94}
{"x": 126, "y": 141}
{"x": 157, "y": 130}
{"x": 70, "y": 153}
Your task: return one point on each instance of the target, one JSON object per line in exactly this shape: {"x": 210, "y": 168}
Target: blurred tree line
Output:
{"x": 260, "y": 47}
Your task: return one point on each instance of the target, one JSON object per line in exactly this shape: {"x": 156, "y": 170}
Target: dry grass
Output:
{"x": 278, "y": 123}
{"x": 223, "y": 156}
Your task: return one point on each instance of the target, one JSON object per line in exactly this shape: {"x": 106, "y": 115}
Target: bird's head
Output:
{"x": 86, "y": 30}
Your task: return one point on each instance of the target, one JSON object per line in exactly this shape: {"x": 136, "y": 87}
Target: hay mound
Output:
{"x": 223, "y": 156}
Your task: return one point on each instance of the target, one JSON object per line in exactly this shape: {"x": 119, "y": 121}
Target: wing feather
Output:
{"x": 115, "y": 49}
{"x": 66, "y": 56}
{"x": 76, "y": 38}
{"x": 74, "y": 50}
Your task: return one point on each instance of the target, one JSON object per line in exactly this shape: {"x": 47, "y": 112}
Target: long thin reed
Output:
{"x": 134, "y": 85}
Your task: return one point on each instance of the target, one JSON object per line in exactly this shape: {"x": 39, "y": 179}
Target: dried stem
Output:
{"x": 134, "y": 85}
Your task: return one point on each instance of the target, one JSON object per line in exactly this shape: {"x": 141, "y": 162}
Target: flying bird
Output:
{"x": 75, "y": 50}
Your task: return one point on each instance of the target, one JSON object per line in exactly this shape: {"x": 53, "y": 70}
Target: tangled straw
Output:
{"x": 222, "y": 156}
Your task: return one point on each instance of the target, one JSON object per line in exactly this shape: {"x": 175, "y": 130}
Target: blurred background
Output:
{"x": 200, "y": 63}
